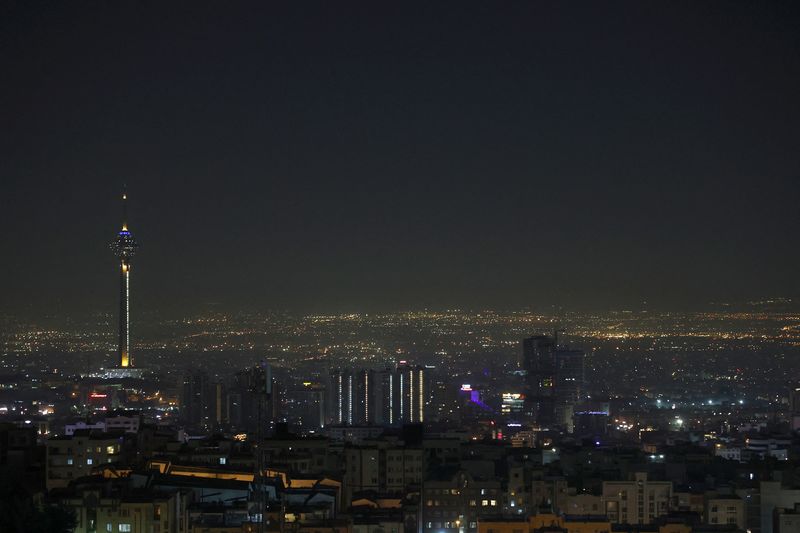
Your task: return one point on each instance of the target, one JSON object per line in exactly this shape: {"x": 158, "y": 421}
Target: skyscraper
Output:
{"x": 124, "y": 246}
{"x": 555, "y": 379}
{"x": 342, "y": 396}
{"x": 411, "y": 388}
{"x": 390, "y": 397}
{"x": 569, "y": 386}
{"x": 538, "y": 360}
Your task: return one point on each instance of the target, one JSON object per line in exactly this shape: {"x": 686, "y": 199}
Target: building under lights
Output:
{"x": 389, "y": 397}
{"x": 124, "y": 246}
{"x": 410, "y": 381}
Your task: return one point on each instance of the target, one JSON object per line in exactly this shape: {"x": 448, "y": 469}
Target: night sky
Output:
{"x": 381, "y": 156}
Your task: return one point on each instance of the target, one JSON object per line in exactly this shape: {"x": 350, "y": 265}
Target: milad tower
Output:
{"x": 124, "y": 247}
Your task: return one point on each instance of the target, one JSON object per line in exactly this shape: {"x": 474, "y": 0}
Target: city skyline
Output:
{"x": 449, "y": 267}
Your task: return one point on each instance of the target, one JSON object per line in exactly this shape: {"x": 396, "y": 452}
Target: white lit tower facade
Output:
{"x": 124, "y": 247}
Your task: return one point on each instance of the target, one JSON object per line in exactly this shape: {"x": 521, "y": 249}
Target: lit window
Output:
{"x": 110, "y": 449}
{"x": 223, "y": 460}
{"x": 124, "y": 527}
{"x": 69, "y": 460}
{"x": 484, "y": 503}
{"x": 88, "y": 461}
{"x": 494, "y": 502}
{"x": 109, "y": 527}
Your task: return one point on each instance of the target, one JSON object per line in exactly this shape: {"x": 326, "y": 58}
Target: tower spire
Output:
{"x": 125, "y": 208}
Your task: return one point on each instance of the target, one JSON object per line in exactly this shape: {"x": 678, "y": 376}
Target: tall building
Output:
{"x": 197, "y": 400}
{"x": 252, "y": 397}
{"x": 411, "y": 388}
{"x": 124, "y": 246}
{"x": 569, "y": 386}
{"x": 538, "y": 360}
{"x": 794, "y": 408}
{"x": 555, "y": 380}
{"x": 389, "y": 397}
{"x": 306, "y": 407}
{"x": 366, "y": 402}
{"x": 341, "y": 394}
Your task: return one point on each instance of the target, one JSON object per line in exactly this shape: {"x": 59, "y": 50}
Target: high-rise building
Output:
{"x": 388, "y": 397}
{"x": 341, "y": 394}
{"x": 196, "y": 400}
{"x": 252, "y": 397}
{"x": 410, "y": 381}
{"x": 794, "y": 408}
{"x": 538, "y": 360}
{"x": 306, "y": 407}
{"x": 366, "y": 402}
{"x": 569, "y": 386}
{"x": 555, "y": 380}
{"x": 124, "y": 246}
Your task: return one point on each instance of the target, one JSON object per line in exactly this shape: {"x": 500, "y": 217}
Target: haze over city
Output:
{"x": 451, "y": 267}
{"x": 363, "y": 158}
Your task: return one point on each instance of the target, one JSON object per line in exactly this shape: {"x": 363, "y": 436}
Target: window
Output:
{"x": 109, "y": 527}
{"x": 484, "y": 503}
{"x": 223, "y": 460}
{"x": 124, "y": 527}
{"x": 69, "y": 460}
{"x": 493, "y": 503}
{"x": 88, "y": 461}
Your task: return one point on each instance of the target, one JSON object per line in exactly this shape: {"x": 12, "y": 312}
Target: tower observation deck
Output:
{"x": 124, "y": 247}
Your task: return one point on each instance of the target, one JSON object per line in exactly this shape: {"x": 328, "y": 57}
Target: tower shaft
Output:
{"x": 124, "y": 353}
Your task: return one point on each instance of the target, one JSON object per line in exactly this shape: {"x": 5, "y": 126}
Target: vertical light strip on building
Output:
{"x": 339, "y": 399}
{"x": 350, "y": 399}
{"x": 402, "y": 399}
{"x": 366, "y": 397}
{"x": 410, "y": 395}
{"x": 421, "y": 397}
{"x": 391, "y": 398}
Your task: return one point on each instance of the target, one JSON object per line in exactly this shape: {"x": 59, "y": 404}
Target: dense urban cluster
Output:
{"x": 414, "y": 424}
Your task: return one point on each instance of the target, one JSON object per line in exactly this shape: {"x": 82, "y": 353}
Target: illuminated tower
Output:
{"x": 124, "y": 246}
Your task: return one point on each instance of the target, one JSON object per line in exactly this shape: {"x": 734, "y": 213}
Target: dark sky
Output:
{"x": 390, "y": 155}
